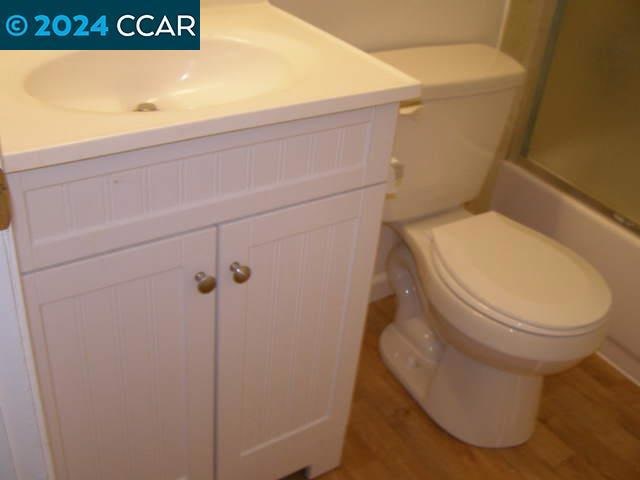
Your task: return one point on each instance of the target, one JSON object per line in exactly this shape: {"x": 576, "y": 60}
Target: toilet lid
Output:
{"x": 519, "y": 273}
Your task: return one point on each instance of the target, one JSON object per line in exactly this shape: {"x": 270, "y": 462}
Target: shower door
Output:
{"x": 585, "y": 126}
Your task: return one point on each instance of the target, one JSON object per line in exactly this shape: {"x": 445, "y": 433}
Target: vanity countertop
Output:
{"x": 329, "y": 76}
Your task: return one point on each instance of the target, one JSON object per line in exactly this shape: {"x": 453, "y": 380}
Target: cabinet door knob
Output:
{"x": 206, "y": 283}
{"x": 241, "y": 273}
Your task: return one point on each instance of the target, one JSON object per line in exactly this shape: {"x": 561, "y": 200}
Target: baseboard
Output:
{"x": 380, "y": 287}
{"x": 621, "y": 360}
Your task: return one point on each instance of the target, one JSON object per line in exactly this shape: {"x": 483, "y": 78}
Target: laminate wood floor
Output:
{"x": 588, "y": 428}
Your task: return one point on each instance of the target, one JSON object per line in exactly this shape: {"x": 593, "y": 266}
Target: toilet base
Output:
{"x": 411, "y": 367}
{"x": 482, "y": 405}
{"x": 474, "y": 402}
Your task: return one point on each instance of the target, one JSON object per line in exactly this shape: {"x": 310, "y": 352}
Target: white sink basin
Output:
{"x": 225, "y": 70}
{"x": 258, "y": 66}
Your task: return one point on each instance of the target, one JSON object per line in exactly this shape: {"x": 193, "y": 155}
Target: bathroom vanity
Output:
{"x": 120, "y": 258}
{"x": 195, "y": 281}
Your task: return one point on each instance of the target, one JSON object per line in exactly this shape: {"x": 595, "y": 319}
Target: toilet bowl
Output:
{"x": 483, "y": 385}
{"x": 485, "y": 307}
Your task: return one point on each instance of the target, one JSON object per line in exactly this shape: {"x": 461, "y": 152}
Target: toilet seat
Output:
{"x": 516, "y": 276}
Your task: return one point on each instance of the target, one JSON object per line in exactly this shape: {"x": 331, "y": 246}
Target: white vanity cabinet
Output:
{"x": 146, "y": 371}
{"x": 124, "y": 347}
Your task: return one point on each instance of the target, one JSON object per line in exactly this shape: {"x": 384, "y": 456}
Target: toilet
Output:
{"x": 486, "y": 307}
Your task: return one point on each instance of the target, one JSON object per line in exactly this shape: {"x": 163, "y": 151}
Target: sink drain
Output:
{"x": 146, "y": 107}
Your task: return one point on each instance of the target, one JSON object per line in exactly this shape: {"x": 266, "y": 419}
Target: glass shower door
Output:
{"x": 586, "y": 128}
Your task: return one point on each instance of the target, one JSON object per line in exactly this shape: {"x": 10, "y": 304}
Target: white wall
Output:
{"x": 21, "y": 453}
{"x": 384, "y": 24}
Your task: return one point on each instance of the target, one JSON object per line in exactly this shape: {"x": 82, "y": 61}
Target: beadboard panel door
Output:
{"x": 289, "y": 337}
{"x": 23, "y": 455}
{"x": 85, "y": 208}
{"x": 124, "y": 348}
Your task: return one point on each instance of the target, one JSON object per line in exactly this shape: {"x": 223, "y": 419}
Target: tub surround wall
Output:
{"x": 614, "y": 251}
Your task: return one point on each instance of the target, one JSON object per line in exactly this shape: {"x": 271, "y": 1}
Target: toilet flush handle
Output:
{"x": 398, "y": 169}
{"x": 411, "y": 109}
{"x": 396, "y": 172}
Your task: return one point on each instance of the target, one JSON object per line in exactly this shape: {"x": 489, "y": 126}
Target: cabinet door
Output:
{"x": 289, "y": 337}
{"x": 124, "y": 354}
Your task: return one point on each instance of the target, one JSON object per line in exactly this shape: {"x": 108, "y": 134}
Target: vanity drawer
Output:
{"x": 92, "y": 206}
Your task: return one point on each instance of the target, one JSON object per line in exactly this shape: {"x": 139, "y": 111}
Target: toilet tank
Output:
{"x": 446, "y": 141}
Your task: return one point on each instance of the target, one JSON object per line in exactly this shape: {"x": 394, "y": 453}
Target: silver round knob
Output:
{"x": 241, "y": 273}
{"x": 206, "y": 283}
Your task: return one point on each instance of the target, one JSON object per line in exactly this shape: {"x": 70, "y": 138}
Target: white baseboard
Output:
{"x": 380, "y": 287}
{"x": 621, "y": 360}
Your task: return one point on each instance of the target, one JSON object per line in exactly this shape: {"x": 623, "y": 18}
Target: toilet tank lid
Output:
{"x": 456, "y": 70}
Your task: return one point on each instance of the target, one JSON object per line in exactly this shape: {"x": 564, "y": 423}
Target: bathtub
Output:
{"x": 614, "y": 250}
